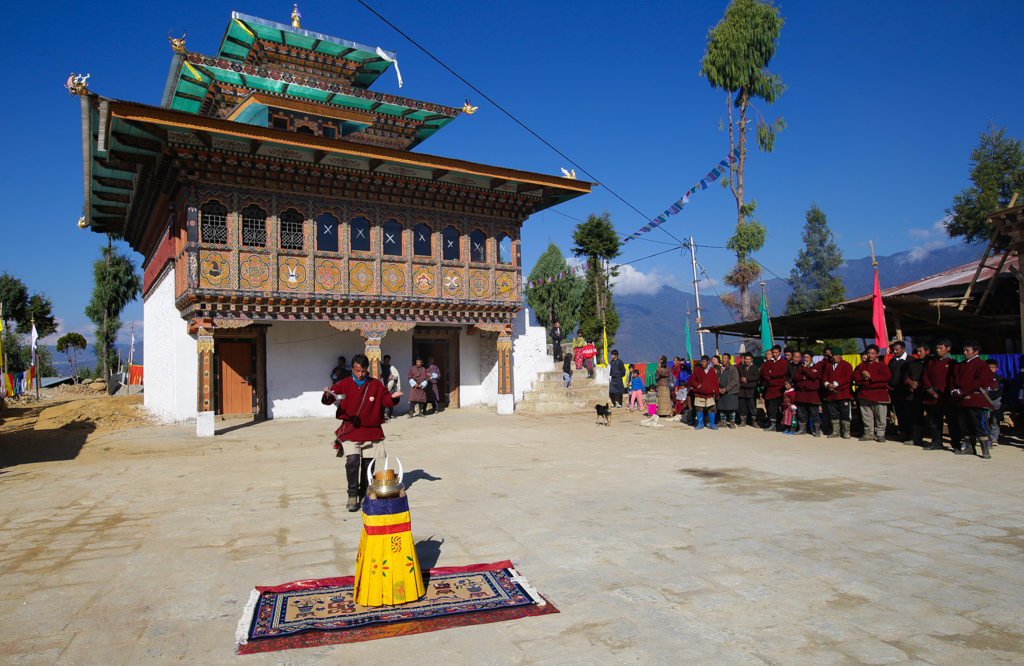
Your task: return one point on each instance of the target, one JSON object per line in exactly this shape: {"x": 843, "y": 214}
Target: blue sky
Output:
{"x": 885, "y": 102}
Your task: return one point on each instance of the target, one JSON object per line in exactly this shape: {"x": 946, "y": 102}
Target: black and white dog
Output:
{"x": 603, "y": 412}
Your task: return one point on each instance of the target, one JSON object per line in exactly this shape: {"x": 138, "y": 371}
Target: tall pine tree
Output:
{"x": 736, "y": 60}
{"x": 560, "y": 300}
{"x": 814, "y": 285}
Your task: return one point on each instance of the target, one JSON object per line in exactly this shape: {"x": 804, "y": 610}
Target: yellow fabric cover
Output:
{"x": 387, "y": 569}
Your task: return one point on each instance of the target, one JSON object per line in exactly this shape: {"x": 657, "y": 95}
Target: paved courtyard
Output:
{"x": 658, "y": 546}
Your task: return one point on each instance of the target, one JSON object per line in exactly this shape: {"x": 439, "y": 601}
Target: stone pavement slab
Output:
{"x": 662, "y": 545}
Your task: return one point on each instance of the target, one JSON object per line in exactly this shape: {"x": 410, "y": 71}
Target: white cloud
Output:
{"x": 632, "y": 281}
{"x": 929, "y": 239}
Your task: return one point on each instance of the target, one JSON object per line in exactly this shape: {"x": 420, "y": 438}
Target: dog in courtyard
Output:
{"x": 603, "y": 412}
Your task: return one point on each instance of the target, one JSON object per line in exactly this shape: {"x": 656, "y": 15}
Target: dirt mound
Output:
{"x": 95, "y": 414}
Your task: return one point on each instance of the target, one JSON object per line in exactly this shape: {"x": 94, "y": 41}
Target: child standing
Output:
{"x": 636, "y": 390}
{"x": 788, "y": 407}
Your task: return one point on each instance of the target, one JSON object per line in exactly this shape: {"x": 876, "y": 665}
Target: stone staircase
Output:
{"x": 547, "y": 394}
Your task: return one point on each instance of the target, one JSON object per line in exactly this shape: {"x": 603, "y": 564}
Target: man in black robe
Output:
{"x": 616, "y": 372}
{"x": 556, "y": 340}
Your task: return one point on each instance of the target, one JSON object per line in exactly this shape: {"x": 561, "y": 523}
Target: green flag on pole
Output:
{"x": 766, "y": 325}
{"x": 689, "y": 354}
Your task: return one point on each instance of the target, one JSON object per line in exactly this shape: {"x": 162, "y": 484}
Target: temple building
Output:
{"x": 285, "y": 220}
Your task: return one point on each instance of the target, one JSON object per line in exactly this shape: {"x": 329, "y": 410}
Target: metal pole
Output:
{"x": 696, "y": 293}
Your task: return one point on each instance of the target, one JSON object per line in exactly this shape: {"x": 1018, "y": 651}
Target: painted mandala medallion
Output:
{"x": 292, "y": 274}
{"x": 213, "y": 270}
{"x": 360, "y": 277}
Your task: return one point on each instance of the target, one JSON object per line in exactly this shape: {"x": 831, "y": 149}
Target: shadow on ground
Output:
{"x": 22, "y": 444}
{"x": 414, "y": 475}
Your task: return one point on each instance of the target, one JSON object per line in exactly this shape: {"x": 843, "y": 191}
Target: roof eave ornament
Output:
{"x": 178, "y": 45}
{"x": 468, "y": 108}
{"x": 77, "y": 84}
{"x": 296, "y": 17}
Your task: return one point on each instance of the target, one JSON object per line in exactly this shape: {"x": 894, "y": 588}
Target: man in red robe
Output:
{"x": 971, "y": 379}
{"x": 772, "y": 377}
{"x": 836, "y": 380}
{"x": 705, "y": 388}
{"x": 807, "y": 382}
{"x": 361, "y": 401}
{"x": 872, "y": 379}
{"x": 937, "y": 383}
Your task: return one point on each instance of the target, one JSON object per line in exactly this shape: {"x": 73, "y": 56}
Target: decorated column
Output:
{"x": 506, "y": 399}
{"x": 204, "y": 406}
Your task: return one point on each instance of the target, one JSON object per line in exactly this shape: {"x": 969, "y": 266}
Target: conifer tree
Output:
{"x": 596, "y": 240}
{"x": 116, "y": 285}
{"x": 997, "y": 172}
{"x": 814, "y": 285}
{"x": 560, "y": 300}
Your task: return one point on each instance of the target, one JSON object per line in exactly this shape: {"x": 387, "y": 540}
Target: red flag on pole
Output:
{"x": 878, "y": 316}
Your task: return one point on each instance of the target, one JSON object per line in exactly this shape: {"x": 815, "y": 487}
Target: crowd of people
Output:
{"x": 422, "y": 378}
{"x": 926, "y": 394}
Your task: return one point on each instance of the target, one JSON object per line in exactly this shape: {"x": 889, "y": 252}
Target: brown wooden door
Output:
{"x": 235, "y": 373}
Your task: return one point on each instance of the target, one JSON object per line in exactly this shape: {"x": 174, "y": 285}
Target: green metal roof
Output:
{"x": 243, "y": 30}
{"x": 196, "y": 72}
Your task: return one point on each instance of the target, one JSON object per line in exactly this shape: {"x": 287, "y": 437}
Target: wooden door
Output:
{"x": 438, "y": 351}
{"x": 235, "y": 377}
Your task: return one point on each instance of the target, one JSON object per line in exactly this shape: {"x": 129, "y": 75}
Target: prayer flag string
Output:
{"x": 713, "y": 175}
{"x": 582, "y": 268}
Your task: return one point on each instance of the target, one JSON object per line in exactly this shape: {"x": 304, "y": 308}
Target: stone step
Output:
{"x": 552, "y": 406}
{"x": 596, "y": 393}
{"x": 557, "y": 374}
{"x": 552, "y": 384}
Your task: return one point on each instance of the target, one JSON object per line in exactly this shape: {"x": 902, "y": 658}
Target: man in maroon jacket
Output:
{"x": 808, "y": 397}
{"x": 361, "y": 400}
{"x": 872, "y": 379}
{"x": 970, "y": 381}
{"x": 773, "y": 376}
{"x": 836, "y": 380}
{"x": 705, "y": 387}
{"x": 937, "y": 382}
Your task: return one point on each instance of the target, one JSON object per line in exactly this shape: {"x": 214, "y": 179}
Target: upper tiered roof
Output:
{"x": 257, "y": 55}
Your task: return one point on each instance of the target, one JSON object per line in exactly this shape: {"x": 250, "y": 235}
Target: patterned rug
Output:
{"x": 321, "y": 612}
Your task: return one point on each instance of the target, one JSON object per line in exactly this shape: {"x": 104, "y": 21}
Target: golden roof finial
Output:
{"x": 296, "y": 17}
{"x": 77, "y": 84}
{"x": 177, "y": 45}
{"x": 468, "y": 108}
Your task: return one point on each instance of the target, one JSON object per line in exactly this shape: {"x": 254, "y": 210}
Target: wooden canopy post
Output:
{"x": 977, "y": 273}
{"x": 992, "y": 280}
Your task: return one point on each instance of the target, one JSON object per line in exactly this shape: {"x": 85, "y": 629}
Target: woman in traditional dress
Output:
{"x": 361, "y": 401}
{"x": 418, "y": 382}
{"x": 577, "y": 349}
{"x": 663, "y": 380}
{"x": 589, "y": 353}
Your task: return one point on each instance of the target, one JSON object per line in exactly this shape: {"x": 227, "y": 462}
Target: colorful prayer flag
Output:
{"x": 767, "y": 339}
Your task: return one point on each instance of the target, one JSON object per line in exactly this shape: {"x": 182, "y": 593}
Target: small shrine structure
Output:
{"x": 285, "y": 221}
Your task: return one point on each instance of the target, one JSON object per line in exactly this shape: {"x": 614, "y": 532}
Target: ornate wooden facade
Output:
{"x": 278, "y": 187}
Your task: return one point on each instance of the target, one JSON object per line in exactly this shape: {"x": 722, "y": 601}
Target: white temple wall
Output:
{"x": 172, "y": 361}
{"x": 529, "y": 354}
{"x": 301, "y": 355}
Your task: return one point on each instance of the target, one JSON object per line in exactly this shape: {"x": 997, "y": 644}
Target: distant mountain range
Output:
{"x": 653, "y": 324}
